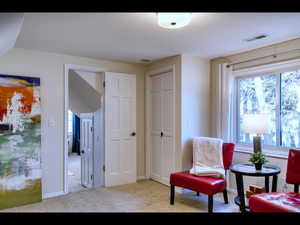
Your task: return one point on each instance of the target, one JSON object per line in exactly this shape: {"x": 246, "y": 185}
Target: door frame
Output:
{"x": 68, "y": 67}
{"x": 148, "y": 74}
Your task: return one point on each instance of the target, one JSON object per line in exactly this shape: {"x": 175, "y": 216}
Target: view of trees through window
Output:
{"x": 258, "y": 95}
{"x": 290, "y": 109}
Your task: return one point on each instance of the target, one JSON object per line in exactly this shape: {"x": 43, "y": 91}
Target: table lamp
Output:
{"x": 256, "y": 124}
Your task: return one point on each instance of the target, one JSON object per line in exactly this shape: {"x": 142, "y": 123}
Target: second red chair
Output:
{"x": 281, "y": 201}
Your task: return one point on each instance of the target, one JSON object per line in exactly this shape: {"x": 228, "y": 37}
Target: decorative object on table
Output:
{"x": 255, "y": 189}
{"x": 258, "y": 159}
{"x": 256, "y": 124}
{"x": 20, "y": 141}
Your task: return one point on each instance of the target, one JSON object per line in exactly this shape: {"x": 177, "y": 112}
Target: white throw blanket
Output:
{"x": 208, "y": 157}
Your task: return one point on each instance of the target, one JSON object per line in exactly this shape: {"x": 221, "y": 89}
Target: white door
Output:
{"x": 162, "y": 127}
{"x": 86, "y": 149}
{"x": 120, "y": 129}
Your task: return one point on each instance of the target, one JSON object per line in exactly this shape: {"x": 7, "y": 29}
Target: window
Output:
{"x": 290, "y": 109}
{"x": 277, "y": 94}
{"x": 70, "y": 121}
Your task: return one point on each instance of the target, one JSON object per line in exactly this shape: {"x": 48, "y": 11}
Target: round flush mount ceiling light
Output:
{"x": 173, "y": 20}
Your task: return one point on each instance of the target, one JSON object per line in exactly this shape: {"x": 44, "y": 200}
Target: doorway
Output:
{"x": 83, "y": 129}
{"x": 75, "y": 183}
{"x": 112, "y": 160}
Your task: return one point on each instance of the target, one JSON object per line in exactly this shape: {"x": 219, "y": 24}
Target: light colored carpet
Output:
{"x": 74, "y": 173}
{"x": 143, "y": 196}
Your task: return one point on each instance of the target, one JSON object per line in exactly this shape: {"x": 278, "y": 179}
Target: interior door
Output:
{"x": 162, "y": 127}
{"x": 168, "y": 154}
{"x": 86, "y": 148}
{"x": 156, "y": 128}
{"x": 120, "y": 129}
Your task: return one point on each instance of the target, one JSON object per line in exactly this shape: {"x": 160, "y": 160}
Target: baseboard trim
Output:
{"x": 53, "y": 194}
{"x": 141, "y": 178}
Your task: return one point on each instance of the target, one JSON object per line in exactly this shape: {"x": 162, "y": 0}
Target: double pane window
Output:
{"x": 277, "y": 95}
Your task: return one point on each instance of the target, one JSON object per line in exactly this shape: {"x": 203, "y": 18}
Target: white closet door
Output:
{"x": 167, "y": 128}
{"x": 162, "y": 127}
{"x": 156, "y": 127}
{"x": 120, "y": 128}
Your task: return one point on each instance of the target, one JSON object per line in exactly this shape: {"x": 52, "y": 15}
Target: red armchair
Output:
{"x": 206, "y": 185}
{"x": 280, "y": 201}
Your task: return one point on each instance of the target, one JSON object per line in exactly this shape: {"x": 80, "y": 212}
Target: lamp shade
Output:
{"x": 173, "y": 20}
{"x": 256, "y": 123}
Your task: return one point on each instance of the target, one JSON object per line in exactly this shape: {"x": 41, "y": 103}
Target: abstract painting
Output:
{"x": 20, "y": 141}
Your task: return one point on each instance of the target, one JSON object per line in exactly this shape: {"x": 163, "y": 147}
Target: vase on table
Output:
{"x": 258, "y": 166}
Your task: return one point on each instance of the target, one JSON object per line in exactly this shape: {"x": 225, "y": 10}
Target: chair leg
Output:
{"x": 198, "y": 193}
{"x": 225, "y": 196}
{"x": 172, "y": 194}
{"x": 210, "y": 203}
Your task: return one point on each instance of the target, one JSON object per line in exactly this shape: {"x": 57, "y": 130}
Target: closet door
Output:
{"x": 162, "y": 127}
{"x": 167, "y": 128}
{"x": 156, "y": 127}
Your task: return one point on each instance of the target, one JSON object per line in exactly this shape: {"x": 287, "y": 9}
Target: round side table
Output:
{"x": 248, "y": 169}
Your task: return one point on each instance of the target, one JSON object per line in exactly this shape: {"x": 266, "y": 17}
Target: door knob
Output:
{"x": 133, "y": 134}
{"x": 82, "y": 151}
{"x": 161, "y": 134}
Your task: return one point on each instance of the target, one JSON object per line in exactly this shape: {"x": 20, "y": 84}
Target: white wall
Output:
{"x": 93, "y": 78}
{"x": 83, "y": 97}
{"x": 50, "y": 68}
{"x": 10, "y": 27}
{"x": 195, "y": 103}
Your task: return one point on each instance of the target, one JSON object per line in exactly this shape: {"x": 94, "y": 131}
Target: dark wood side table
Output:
{"x": 248, "y": 169}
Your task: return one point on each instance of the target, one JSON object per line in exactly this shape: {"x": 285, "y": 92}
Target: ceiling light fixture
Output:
{"x": 173, "y": 20}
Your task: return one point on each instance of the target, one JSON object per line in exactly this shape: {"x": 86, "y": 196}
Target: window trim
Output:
{"x": 273, "y": 68}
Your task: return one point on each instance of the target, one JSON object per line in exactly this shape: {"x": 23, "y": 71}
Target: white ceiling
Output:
{"x": 10, "y": 26}
{"x": 130, "y": 37}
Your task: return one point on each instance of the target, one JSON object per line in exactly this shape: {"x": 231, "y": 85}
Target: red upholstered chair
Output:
{"x": 281, "y": 201}
{"x": 203, "y": 184}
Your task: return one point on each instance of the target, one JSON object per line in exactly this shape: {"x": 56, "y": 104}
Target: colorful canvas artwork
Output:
{"x": 20, "y": 141}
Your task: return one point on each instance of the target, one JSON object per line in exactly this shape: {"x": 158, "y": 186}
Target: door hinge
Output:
{"x": 92, "y": 177}
{"x": 103, "y": 168}
{"x": 104, "y": 84}
{"x": 92, "y": 129}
